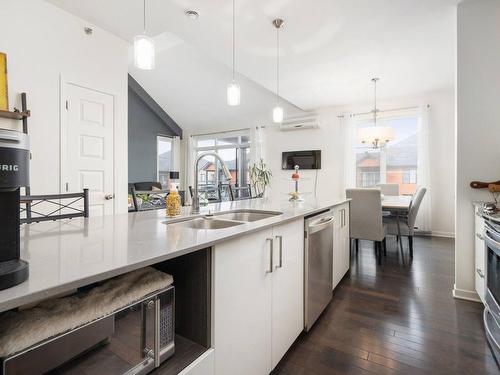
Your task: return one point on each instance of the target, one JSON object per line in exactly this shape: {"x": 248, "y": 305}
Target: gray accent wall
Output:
{"x": 144, "y": 125}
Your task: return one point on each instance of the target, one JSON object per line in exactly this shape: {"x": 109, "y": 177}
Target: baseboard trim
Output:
{"x": 443, "y": 234}
{"x": 435, "y": 234}
{"x": 468, "y": 295}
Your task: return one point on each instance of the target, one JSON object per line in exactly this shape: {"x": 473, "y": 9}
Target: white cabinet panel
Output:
{"x": 480, "y": 258}
{"x": 346, "y": 241}
{"x": 242, "y": 305}
{"x": 341, "y": 248}
{"x": 203, "y": 365}
{"x": 287, "y": 287}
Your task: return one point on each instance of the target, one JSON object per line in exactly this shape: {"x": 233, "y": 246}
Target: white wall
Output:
{"x": 478, "y": 124}
{"x": 330, "y": 139}
{"x": 42, "y": 42}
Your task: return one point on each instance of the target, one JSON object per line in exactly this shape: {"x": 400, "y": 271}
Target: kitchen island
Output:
{"x": 70, "y": 254}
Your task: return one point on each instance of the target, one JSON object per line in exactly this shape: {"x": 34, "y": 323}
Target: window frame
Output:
{"x": 367, "y": 118}
{"x": 239, "y": 147}
{"x": 169, "y": 139}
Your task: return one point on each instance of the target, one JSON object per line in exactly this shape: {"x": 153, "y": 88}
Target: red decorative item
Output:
{"x": 295, "y": 175}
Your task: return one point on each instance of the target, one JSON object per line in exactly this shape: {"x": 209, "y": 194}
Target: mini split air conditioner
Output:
{"x": 298, "y": 123}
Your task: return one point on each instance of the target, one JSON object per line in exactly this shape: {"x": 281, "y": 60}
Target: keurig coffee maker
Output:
{"x": 14, "y": 173}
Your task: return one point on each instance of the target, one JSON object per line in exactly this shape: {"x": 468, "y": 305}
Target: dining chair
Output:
{"x": 366, "y": 218}
{"x": 225, "y": 192}
{"x": 389, "y": 189}
{"x": 242, "y": 192}
{"x": 210, "y": 192}
{"x": 407, "y": 224}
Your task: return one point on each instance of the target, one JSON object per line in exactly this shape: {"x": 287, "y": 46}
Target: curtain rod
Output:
{"x": 386, "y": 110}
{"x": 221, "y": 132}
{"x": 167, "y": 135}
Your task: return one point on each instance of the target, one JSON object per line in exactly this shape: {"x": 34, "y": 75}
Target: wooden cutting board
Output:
{"x": 494, "y": 188}
{"x": 483, "y": 185}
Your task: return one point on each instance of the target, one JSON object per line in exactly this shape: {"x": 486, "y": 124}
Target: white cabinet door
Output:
{"x": 242, "y": 305}
{"x": 341, "y": 255}
{"x": 480, "y": 261}
{"x": 337, "y": 246}
{"x": 346, "y": 241}
{"x": 287, "y": 287}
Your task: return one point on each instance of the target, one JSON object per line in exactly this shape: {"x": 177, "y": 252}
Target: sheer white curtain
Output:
{"x": 348, "y": 126}
{"x": 257, "y": 144}
{"x": 176, "y": 154}
{"x": 189, "y": 161}
{"x": 424, "y": 217}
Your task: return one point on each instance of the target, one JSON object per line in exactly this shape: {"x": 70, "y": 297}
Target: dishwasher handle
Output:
{"x": 319, "y": 225}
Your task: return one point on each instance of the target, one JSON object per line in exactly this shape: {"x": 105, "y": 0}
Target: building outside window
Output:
{"x": 395, "y": 162}
{"x": 164, "y": 152}
{"x": 233, "y": 148}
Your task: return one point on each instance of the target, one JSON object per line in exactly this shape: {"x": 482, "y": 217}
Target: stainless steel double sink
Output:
{"x": 223, "y": 220}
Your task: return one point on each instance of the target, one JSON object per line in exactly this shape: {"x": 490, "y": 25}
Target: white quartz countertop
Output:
{"x": 68, "y": 254}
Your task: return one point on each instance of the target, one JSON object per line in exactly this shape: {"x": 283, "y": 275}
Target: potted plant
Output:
{"x": 260, "y": 177}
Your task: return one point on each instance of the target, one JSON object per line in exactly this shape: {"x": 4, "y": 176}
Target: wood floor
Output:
{"x": 395, "y": 319}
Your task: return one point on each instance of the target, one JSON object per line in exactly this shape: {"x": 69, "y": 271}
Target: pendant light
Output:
{"x": 233, "y": 89}
{"x": 144, "y": 48}
{"x": 278, "y": 110}
{"x": 376, "y": 135}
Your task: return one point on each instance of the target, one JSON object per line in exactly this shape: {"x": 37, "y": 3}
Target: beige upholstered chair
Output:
{"x": 389, "y": 189}
{"x": 407, "y": 224}
{"x": 366, "y": 218}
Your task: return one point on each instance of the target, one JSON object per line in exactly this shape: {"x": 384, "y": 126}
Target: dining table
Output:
{"x": 398, "y": 206}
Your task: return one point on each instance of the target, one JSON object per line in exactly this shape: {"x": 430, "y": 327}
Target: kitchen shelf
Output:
{"x": 15, "y": 115}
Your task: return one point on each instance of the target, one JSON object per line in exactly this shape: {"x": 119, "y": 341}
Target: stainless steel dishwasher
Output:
{"x": 318, "y": 272}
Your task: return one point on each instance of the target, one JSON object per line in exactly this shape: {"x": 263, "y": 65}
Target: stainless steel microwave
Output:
{"x": 310, "y": 159}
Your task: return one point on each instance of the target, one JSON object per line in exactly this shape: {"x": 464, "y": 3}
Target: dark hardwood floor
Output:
{"x": 395, "y": 319}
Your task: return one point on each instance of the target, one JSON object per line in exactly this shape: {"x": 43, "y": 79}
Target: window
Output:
{"x": 410, "y": 176}
{"x": 234, "y": 149}
{"x": 164, "y": 148}
{"x": 395, "y": 162}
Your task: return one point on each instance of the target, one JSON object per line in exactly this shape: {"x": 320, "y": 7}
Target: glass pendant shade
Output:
{"x": 278, "y": 114}
{"x": 144, "y": 52}
{"x": 233, "y": 94}
{"x": 376, "y": 135}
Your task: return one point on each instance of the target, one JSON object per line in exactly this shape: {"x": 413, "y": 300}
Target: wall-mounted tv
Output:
{"x": 310, "y": 159}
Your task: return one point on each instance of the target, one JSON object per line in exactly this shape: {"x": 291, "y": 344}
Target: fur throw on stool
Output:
{"x": 21, "y": 329}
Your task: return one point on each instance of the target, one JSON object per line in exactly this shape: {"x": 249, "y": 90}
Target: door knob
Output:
{"x": 109, "y": 197}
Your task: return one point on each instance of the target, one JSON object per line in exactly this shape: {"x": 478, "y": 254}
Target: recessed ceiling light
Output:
{"x": 192, "y": 14}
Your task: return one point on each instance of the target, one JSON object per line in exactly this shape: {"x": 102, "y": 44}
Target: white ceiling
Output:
{"x": 329, "y": 51}
{"x": 192, "y": 89}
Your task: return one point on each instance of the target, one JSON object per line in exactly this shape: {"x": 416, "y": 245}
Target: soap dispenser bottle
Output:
{"x": 173, "y": 201}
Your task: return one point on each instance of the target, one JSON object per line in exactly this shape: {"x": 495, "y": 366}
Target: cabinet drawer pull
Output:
{"x": 480, "y": 273}
{"x": 281, "y": 251}
{"x": 480, "y": 236}
{"x": 271, "y": 256}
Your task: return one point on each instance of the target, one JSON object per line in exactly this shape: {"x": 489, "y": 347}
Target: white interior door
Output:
{"x": 87, "y": 159}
